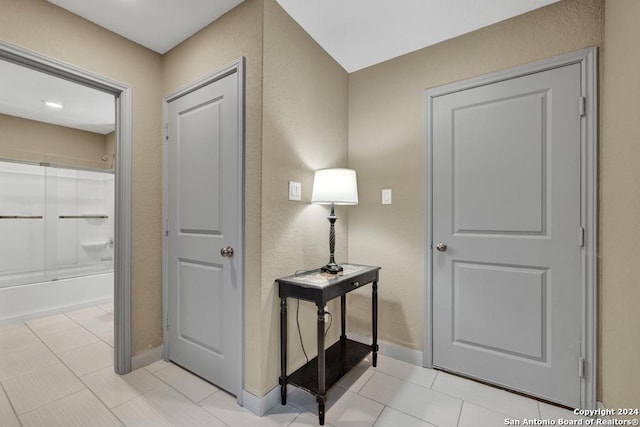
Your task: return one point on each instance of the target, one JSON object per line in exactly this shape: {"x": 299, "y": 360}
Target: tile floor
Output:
{"x": 58, "y": 371}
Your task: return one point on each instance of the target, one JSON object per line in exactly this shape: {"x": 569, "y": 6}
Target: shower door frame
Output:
{"x": 122, "y": 245}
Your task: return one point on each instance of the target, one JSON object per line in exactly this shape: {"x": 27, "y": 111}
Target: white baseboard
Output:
{"x": 394, "y": 351}
{"x": 146, "y": 358}
{"x": 261, "y": 405}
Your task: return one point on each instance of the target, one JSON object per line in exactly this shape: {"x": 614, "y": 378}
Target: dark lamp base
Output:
{"x": 331, "y": 268}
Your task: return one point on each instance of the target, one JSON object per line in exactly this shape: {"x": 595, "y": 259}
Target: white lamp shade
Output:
{"x": 338, "y": 186}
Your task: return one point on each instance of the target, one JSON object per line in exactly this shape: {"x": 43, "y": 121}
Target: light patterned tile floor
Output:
{"x": 58, "y": 371}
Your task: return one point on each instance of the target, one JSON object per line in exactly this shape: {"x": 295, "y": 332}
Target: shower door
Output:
{"x": 79, "y": 222}
{"x": 22, "y": 225}
{"x": 55, "y": 223}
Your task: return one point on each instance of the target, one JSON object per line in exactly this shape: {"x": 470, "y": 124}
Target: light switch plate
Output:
{"x": 386, "y": 196}
{"x": 295, "y": 191}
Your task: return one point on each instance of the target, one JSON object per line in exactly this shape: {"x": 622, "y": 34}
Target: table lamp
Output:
{"x": 334, "y": 187}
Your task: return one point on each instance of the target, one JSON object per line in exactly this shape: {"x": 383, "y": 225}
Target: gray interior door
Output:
{"x": 204, "y": 217}
{"x": 506, "y": 203}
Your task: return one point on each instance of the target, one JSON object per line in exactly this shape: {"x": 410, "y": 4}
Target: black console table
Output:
{"x": 331, "y": 364}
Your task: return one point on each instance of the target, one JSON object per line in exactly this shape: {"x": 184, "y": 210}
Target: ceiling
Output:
{"x": 361, "y": 33}
{"x": 356, "y": 33}
{"x": 156, "y": 24}
{"x": 24, "y": 90}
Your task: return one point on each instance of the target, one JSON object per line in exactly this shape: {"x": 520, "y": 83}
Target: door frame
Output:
{"x": 122, "y": 244}
{"x": 587, "y": 58}
{"x": 237, "y": 66}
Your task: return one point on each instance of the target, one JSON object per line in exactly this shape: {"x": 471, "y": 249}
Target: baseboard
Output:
{"x": 146, "y": 358}
{"x": 394, "y": 351}
{"x": 261, "y": 405}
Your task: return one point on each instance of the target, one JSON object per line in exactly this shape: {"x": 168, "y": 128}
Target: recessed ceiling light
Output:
{"x": 52, "y": 104}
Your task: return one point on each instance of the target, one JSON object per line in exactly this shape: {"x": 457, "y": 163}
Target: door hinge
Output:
{"x": 581, "y": 362}
{"x": 166, "y": 322}
{"x": 166, "y": 227}
{"x": 581, "y": 236}
{"x": 166, "y": 131}
{"x": 583, "y": 106}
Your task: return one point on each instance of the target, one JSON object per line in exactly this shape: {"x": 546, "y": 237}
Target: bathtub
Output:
{"x": 22, "y": 302}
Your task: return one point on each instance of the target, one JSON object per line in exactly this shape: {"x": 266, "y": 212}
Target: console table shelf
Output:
{"x": 339, "y": 360}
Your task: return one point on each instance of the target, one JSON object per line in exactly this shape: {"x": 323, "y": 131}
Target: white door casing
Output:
{"x": 204, "y": 215}
{"x": 511, "y": 170}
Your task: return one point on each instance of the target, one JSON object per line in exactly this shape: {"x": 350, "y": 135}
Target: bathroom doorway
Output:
{"x": 74, "y": 174}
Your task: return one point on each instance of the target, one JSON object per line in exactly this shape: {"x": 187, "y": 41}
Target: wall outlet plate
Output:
{"x": 295, "y": 191}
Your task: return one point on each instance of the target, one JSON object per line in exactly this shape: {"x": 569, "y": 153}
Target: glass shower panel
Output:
{"x": 84, "y": 221}
{"x": 22, "y": 224}
{"x": 55, "y": 223}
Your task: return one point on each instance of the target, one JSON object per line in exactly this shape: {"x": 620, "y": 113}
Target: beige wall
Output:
{"x": 386, "y": 146}
{"x": 304, "y": 127}
{"x": 237, "y": 33}
{"x": 296, "y": 122}
{"x": 33, "y": 141}
{"x": 52, "y": 31}
{"x": 620, "y": 208}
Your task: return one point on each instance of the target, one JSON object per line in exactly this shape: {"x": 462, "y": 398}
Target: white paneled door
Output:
{"x": 506, "y": 233}
{"x": 204, "y": 229}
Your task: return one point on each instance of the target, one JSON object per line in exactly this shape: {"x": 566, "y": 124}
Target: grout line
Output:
{"x": 539, "y": 410}
{"x": 448, "y": 395}
{"x": 193, "y": 375}
{"x": 460, "y": 413}
{"x": 377, "y": 369}
{"x": 367, "y": 381}
{"x": 212, "y": 414}
{"x": 55, "y": 400}
{"x": 203, "y": 399}
{"x": 378, "y": 416}
{"x": 481, "y": 405}
{"x": 435, "y": 377}
{"x": 413, "y": 416}
{"x": 6, "y": 395}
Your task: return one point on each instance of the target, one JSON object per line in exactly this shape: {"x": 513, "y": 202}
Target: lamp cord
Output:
{"x": 330, "y": 322}
{"x": 300, "y": 332}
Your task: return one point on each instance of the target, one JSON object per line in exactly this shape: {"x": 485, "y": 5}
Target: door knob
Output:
{"x": 227, "y": 252}
{"x": 441, "y": 246}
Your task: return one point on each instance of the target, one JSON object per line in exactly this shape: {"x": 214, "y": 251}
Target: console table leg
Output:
{"x": 374, "y": 322}
{"x": 321, "y": 398}
{"x": 343, "y": 317}
{"x": 283, "y": 351}
{"x": 321, "y": 413}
